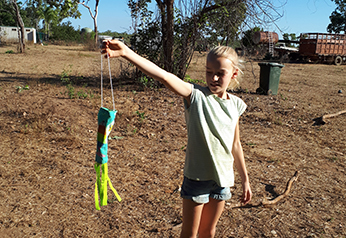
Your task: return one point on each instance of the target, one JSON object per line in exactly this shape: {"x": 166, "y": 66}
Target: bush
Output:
{"x": 65, "y": 32}
{"x": 88, "y": 40}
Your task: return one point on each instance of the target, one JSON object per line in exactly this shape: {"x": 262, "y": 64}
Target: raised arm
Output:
{"x": 239, "y": 161}
{"x": 116, "y": 48}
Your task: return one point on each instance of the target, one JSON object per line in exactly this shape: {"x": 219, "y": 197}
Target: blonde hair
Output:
{"x": 228, "y": 53}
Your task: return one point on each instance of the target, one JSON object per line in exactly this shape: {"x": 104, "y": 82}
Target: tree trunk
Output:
{"x": 163, "y": 28}
{"x": 167, "y": 25}
{"x": 36, "y": 27}
{"x": 170, "y": 36}
{"x": 95, "y": 30}
{"x": 21, "y": 27}
{"x": 94, "y": 17}
{"x": 95, "y": 21}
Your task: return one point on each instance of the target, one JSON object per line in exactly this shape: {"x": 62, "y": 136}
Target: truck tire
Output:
{"x": 338, "y": 60}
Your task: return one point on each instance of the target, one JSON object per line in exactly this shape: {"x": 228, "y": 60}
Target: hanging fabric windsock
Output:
{"x": 105, "y": 120}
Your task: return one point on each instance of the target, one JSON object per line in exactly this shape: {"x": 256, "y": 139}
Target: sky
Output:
{"x": 299, "y": 16}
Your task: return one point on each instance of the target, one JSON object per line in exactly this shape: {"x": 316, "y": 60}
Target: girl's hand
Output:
{"x": 113, "y": 48}
{"x": 247, "y": 193}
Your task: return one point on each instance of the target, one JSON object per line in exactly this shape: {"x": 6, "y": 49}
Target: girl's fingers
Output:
{"x": 105, "y": 42}
{"x": 246, "y": 197}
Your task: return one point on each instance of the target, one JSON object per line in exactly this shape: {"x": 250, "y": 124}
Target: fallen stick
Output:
{"x": 334, "y": 114}
{"x": 265, "y": 203}
{"x": 288, "y": 188}
{"x": 320, "y": 120}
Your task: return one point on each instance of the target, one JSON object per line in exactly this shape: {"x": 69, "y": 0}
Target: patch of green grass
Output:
{"x": 9, "y": 52}
{"x": 140, "y": 115}
{"x": 68, "y": 82}
{"x": 333, "y": 159}
{"x": 147, "y": 82}
{"x": 91, "y": 95}
{"x": 195, "y": 81}
{"x": 20, "y": 88}
{"x": 65, "y": 75}
{"x": 283, "y": 97}
{"x": 82, "y": 94}
{"x": 70, "y": 91}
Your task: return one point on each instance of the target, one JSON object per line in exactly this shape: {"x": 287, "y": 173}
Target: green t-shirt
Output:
{"x": 211, "y": 123}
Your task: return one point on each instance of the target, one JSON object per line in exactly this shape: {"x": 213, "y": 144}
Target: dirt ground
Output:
{"x": 48, "y": 142}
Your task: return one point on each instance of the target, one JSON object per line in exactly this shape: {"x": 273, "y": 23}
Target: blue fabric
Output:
{"x": 201, "y": 191}
{"x": 105, "y": 119}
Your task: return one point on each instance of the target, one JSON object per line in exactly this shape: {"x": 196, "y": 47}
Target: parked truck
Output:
{"x": 324, "y": 47}
{"x": 317, "y": 47}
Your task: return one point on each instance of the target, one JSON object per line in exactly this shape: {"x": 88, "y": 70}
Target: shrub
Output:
{"x": 65, "y": 32}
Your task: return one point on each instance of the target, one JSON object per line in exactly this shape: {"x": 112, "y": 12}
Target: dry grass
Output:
{"x": 48, "y": 148}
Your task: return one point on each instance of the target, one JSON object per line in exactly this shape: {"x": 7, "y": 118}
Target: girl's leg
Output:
{"x": 191, "y": 218}
{"x": 210, "y": 216}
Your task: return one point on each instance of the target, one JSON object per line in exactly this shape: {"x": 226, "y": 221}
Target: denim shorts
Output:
{"x": 200, "y": 191}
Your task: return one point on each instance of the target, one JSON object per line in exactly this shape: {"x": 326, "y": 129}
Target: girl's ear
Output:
{"x": 235, "y": 73}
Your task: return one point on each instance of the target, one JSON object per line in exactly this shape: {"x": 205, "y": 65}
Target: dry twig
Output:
{"x": 288, "y": 188}
{"x": 321, "y": 120}
{"x": 277, "y": 199}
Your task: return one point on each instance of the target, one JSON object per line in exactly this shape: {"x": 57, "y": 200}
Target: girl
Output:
{"x": 213, "y": 145}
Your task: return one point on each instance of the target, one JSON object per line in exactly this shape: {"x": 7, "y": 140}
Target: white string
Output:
{"x": 101, "y": 81}
{"x": 110, "y": 79}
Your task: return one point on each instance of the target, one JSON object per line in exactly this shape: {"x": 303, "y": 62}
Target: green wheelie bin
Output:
{"x": 269, "y": 78}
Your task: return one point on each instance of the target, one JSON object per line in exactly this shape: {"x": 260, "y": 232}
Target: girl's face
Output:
{"x": 219, "y": 73}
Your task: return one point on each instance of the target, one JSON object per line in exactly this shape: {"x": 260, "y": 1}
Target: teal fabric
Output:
{"x": 211, "y": 123}
{"x": 106, "y": 119}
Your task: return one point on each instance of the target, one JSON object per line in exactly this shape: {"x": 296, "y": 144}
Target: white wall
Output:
{"x": 9, "y": 33}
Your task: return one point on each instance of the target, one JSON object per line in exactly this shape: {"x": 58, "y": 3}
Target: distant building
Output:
{"x": 10, "y": 34}
{"x": 86, "y": 30}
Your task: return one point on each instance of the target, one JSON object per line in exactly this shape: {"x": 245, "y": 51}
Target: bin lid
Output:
{"x": 270, "y": 64}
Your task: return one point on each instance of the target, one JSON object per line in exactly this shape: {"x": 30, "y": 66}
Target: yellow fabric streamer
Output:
{"x": 101, "y": 185}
